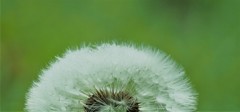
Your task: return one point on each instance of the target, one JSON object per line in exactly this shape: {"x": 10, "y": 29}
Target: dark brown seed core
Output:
{"x": 103, "y": 98}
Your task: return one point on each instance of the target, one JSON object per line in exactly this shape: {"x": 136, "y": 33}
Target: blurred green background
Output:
{"x": 201, "y": 35}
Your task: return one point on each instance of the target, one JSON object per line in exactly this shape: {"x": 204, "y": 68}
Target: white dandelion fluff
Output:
{"x": 112, "y": 78}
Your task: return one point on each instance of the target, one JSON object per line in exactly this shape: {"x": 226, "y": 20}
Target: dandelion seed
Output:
{"x": 112, "y": 78}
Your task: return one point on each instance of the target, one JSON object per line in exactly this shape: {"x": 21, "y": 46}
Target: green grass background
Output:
{"x": 202, "y": 35}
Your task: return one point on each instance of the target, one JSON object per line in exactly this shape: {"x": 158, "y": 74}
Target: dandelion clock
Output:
{"x": 112, "y": 78}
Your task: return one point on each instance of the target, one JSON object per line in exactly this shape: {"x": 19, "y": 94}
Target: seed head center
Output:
{"x": 115, "y": 100}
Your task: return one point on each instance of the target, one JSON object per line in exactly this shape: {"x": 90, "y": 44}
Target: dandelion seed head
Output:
{"x": 114, "y": 78}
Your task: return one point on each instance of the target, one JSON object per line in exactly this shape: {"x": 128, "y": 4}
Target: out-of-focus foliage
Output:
{"x": 202, "y": 35}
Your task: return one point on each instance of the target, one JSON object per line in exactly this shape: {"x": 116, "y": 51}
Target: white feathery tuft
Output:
{"x": 149, "y": 76}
